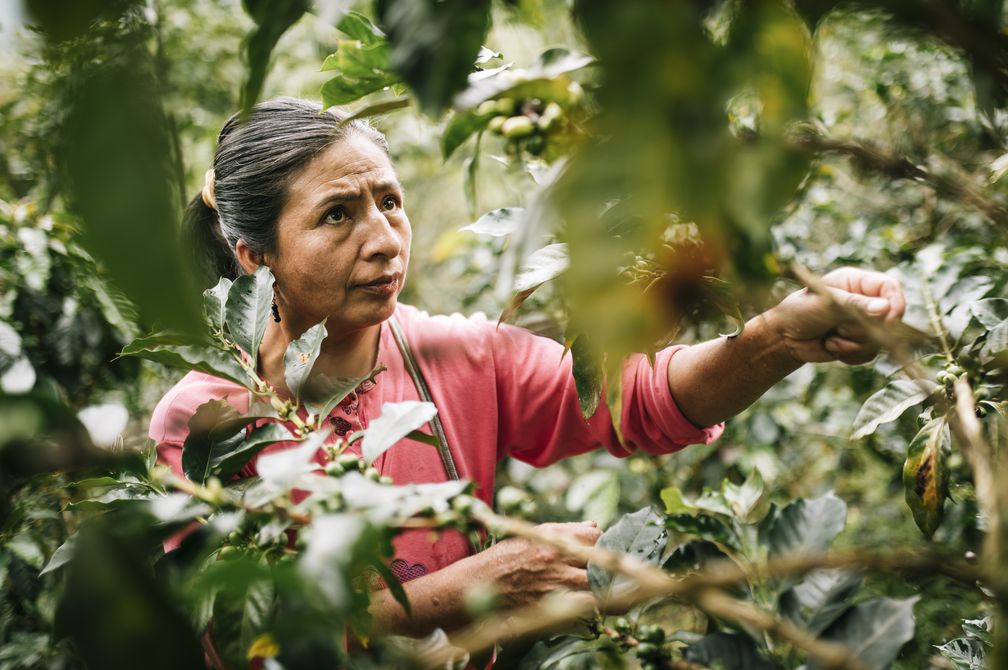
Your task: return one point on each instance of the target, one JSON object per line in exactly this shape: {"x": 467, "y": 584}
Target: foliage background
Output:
{"x": 873, "y": 82}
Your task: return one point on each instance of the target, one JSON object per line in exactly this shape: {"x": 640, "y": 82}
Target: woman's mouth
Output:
{"x": 384, "y": 286}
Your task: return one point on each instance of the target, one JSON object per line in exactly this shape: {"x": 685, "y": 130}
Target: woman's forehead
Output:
{"x": 349, "y": 166}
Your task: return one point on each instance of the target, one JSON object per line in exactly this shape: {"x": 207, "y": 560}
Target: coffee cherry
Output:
{"x": 517, "y": 126}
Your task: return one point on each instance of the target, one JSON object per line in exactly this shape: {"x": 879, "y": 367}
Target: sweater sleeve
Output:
{"x": 540, "y": 417}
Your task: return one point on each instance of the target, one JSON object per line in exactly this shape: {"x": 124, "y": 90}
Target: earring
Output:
{"x": 276, "y": 312}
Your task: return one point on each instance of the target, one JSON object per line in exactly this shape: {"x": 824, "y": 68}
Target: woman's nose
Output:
{"x": 384, "y": 239}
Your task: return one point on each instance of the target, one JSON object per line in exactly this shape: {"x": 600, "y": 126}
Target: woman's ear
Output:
{"x": 248, "y": 259}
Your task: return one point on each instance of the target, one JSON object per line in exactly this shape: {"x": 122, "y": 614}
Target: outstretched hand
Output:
{"x": 816, "y": 329}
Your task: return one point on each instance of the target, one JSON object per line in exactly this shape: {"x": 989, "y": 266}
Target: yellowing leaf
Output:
{"x": 925, "y": 477}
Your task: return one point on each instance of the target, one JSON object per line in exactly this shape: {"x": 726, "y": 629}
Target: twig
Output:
{"x": 895, "y": 166}
{"x": 831, "y": 655}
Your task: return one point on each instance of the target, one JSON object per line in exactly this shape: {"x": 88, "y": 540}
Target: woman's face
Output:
{"x": 343, "y": 240}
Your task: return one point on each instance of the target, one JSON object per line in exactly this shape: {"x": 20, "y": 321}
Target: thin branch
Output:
{"x": 895, "y": 166}
{"x": 831, "y": 655}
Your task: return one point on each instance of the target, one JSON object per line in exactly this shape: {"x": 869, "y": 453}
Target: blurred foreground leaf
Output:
{"x": 117, "y": 152}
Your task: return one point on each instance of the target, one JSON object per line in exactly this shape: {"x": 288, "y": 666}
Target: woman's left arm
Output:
{"x": 716, "y": 380}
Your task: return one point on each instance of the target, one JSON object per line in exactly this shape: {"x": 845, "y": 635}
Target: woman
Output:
{"x": 318, "y": 201}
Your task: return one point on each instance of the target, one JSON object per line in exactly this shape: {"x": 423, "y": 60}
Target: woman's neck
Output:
{"x": 347, "y": 354}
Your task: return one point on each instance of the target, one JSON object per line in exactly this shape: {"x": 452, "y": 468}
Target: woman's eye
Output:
{"x": 335, "y": 215}
{"x": 389, "y": 203}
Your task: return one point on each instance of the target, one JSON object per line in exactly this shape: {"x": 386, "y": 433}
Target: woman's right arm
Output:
{"x": 520, "y": 571}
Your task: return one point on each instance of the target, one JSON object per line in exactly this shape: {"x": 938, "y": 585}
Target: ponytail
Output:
{"x": 202, "y": 233}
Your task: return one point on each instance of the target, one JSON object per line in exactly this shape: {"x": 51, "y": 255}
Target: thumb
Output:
{"x": 869, "y": 305}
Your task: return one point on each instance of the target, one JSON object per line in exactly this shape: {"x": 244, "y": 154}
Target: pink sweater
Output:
{"x": 500, "y": 391}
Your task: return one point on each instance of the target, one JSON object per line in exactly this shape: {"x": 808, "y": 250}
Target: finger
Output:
{"x": 873, "y": 307}
{"x": 575, "y": 579}
{"x": 872, "y": 284}
{"x": 850, "y": 352}
{"x": 852, "y": 331}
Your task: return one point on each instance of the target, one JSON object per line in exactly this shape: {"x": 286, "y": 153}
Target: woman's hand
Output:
{"x": 716, "y": 380}
{"x": 816, "y": 329}
{"x": 520, "y": 570}
{"x": 523, "y": 571}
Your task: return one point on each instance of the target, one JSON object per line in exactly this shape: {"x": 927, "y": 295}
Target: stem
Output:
{"x": 936, "y": 322}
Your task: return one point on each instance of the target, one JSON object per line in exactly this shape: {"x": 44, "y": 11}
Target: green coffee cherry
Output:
{"x": 535, "y": 145}
{"x": 647, "y": 649}
{"x": 955, "y": 370}
{"x": 496, "y": 124}
{"x": 350, "y": 462}
{"x": 487, "y": 107}
{"x": 945, "y": 378}
{"x": 622, "y": 625}
{"x": 506, "y": 106}
{"x": 550, "y": 117}
{"x": 517, "y": 126}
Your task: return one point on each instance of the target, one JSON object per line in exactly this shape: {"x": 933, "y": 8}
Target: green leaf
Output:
{"x": 997, "y": 341}
{"x": 378, "y": 108}
{"x": 595, "y": 495}
{"x": 225, "y": 464}
{"x": 497, "y": 223}
{"x": 138, "y": 618}
{"x": 434, "y": 44}
{"x": 925, "y": 475}
{"x": 116, "y": 153}
{"x": 874, "y": 631}
{"x": 272, "y": 19}
{"x": 214, "y": 302}
{"x": 322, "y": 393}
{"x": 964, "y": 654}
{"x": 990, "y": 311}
{"x": 189, "y": 354}
{"x": 545, "y": 79}
{"x": 248, "y": 308}
{"x": 256, "y": 611}
{"x": 749, "y": 502}
{"x": 820, "y": 599}
{"x": 568, "y": 652}
{"x": 887, "y": 405}
{"x": 300, "y": 357}
{"x": 212, "y": 434}
{"x": 541, "y": 266}
{"x": 807, "y": 525}
{"x": 588, "y": 375}
{"x": 360, "y": 28}
{"x": 396, "y": 421}
{"x": 470, "y": 167}
{"x": 363, "y": 63}
{"x": 62, "y": 555}
{"x": 641, "y": 534}
{"x": 460, "y": 126}
{"x": 727, "y": 650}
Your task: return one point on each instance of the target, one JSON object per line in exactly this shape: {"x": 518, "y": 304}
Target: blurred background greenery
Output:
{"x": 883, "y": 98}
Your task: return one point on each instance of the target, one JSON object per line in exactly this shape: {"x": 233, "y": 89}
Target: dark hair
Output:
{"x": 256, "y": 159}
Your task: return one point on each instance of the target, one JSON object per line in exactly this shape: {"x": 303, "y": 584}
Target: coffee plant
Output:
{"x": 632, "y": 174}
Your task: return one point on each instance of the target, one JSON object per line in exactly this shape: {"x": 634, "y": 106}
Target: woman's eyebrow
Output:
{"x": 351, "y": 194}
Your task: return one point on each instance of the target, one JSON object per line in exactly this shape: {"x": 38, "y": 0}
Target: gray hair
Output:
{"x": 256, "y": 160}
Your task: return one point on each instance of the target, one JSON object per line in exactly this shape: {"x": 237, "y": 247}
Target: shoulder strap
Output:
{"x": 414, "y": 371}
